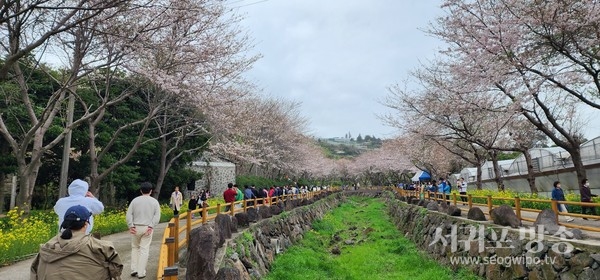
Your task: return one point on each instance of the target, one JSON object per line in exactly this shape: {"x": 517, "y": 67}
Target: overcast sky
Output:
{"x": 337, "y": 57}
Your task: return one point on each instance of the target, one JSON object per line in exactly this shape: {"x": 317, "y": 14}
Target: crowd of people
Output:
{"x": 444, "y": 188}
{"x": 74, "y": 253}
{"x": 74, "y": 244}
{"x": 233, "y": 193}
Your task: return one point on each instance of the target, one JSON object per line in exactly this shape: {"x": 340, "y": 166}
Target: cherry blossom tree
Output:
{"x": 32, "y": 28}
{"x": 383, "y": 165}
{"x": 257, "y": 132}
{"x": 185, "y": 48}
{"x": 524, "y": 51}
{"x": 190, "y": 53}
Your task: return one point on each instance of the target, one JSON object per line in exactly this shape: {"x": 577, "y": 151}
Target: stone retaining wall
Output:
{"x": 270, "y": 231}
{"x": 503, "y": 253}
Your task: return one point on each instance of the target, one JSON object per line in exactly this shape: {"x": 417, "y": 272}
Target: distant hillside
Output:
{"x": 339, "y": 147}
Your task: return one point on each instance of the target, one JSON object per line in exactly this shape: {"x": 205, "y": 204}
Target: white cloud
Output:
{"x": 338, "y": 57}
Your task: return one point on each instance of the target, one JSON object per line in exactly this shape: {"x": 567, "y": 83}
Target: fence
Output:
{"x": 169, "y": 250}
{"x": 516, "y": 204}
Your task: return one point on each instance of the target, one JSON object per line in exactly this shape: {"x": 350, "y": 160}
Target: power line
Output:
{"x": 249, "y": 4}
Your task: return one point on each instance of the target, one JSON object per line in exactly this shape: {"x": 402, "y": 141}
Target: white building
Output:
{"x": 216, "y": 176}
{"x": 543, "y": 159}
{"x": 469, "y": 173}
{"x": 488, "y": 169}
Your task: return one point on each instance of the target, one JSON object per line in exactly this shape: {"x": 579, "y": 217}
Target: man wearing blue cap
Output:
{"x": 73, "y": 254}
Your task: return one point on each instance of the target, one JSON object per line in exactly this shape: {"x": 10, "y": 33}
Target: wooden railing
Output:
{"x": 517, "y": 201}
{"x": 169, "y": 250}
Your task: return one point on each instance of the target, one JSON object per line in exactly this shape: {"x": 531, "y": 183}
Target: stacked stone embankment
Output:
{"x": 493, "y": 251}
{"x": 248, "y": 254}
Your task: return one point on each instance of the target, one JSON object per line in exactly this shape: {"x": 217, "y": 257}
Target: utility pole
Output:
{"x": 64, "y": 170}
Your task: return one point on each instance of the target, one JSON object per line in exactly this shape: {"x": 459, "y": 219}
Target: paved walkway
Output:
{"x": 122, "y": 242}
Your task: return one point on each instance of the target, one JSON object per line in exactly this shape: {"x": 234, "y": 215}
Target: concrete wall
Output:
{"x": 215, "y": 177}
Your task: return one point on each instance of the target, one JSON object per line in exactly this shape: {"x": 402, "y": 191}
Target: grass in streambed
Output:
{"x": 369, "y": 245}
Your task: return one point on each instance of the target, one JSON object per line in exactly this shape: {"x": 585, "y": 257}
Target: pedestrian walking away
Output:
{"x": 229, "y": 196}
{"x": 249, "y": 195}
{"x": 193, "y": 204}
{"x": 142, "y": 215}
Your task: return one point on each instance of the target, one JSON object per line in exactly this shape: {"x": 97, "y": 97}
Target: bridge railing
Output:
{"x": 516, "y": 201}
{"x": 172, "y": 243}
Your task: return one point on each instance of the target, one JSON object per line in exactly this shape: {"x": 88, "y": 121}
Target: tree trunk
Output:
{"x": 163, "y": 168}
{"x": 497, "y": 170}
{"x": 93, "y": 155}
{"x": 530, "y": 172}
{"x": 478, "y": 177}
{"x": 113, "y": 194}
{"x": 27, "y": 177}
{"x": 579, "y": 167}
{"x": 2, "y": 190}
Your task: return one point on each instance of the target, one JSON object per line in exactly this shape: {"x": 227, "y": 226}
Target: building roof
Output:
{"x": 214, "y": 163}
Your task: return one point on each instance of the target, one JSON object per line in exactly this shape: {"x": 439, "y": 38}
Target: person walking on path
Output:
{"x": 229, "y": 196}
{"x": 249, "y": 195}
{"x": 586, "y": 196}
{"x": 559, "y": 195}
{"x": 78, "y": 195}
{"x": 239, "y": 196}
{"x": 73, "y": 254}
{"x": 462, "y": 189}
{"x": 193, "y": 204}
{"x": 142, "y": 215}
{"x": 203, "y": 200}
{"x": 176, "y": 201}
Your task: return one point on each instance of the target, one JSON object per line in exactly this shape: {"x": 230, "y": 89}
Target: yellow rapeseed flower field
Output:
{"x": 21, "y": 235}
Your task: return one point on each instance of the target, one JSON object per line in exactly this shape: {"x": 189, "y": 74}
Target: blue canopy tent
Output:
{"x": 424, "y": 176}
{"x": 421, "y": 176}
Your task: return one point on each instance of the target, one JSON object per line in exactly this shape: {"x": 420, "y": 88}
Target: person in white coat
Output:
{"x": 176, "y": 201}
{"x": 78, "y": 195}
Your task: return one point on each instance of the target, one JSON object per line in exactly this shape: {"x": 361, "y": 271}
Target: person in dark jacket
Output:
{"x": 586, "y": 196}
{"x": 559, "y": 195}
{"x": 249, "y": 195}
{"x": 73, "y": 254}
{"x": 193, "y": 204}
